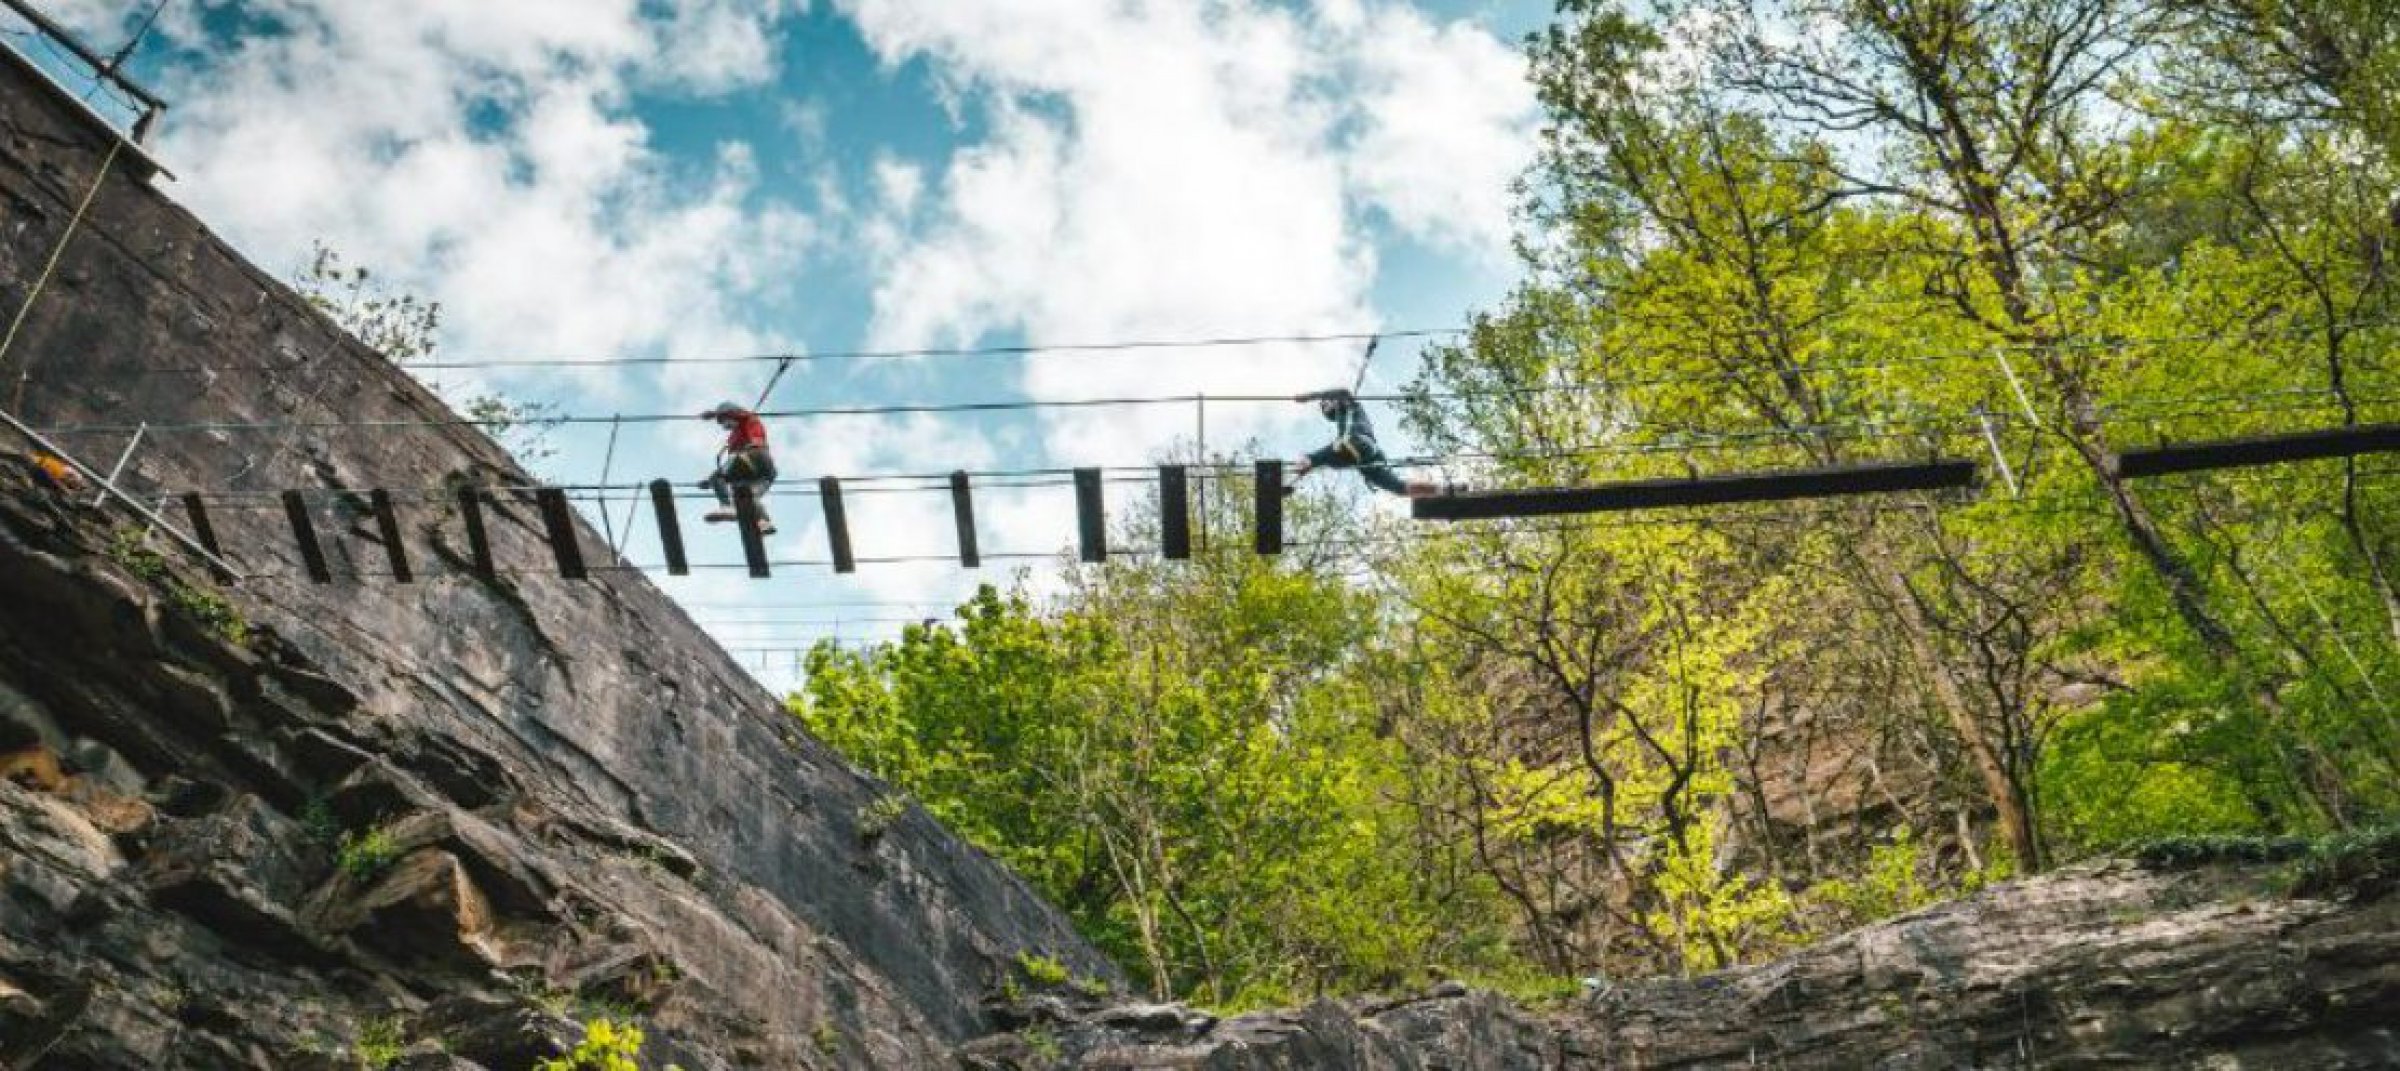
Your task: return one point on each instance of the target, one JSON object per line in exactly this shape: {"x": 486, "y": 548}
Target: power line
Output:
{"x": 802, "y": 357}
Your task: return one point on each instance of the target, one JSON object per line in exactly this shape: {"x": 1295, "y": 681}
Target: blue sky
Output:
{"x": 703, "y": 178}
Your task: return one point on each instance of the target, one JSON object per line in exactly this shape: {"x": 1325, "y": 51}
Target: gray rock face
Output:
{"x": 2106, "y": 966}
{"x": 579, "y": 802}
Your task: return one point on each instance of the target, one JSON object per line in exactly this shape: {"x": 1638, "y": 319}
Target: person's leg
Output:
{"x": 758, "y": 496}
{"x": 1381, "y": 477}
{"x": 718, "y": 485}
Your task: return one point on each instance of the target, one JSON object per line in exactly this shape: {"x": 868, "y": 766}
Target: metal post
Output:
{"x": 608, "y": 464}
{"x": 118, "y": 472}
{"x": 137, "y": 507}
{"x": 1991, "y": 437}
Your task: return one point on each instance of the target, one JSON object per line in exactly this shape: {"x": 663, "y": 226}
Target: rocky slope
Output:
{"x": 2206, "y": 966}
{"x": 578, "y": 803}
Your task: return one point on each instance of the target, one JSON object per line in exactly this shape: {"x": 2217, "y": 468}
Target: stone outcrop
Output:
{"x": 2111, "y": 965}
{"x": 250, "y": 824}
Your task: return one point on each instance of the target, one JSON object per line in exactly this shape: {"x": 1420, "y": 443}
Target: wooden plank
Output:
{"x": 1268, "y": 496}
{"x": 558, "y": 521}
{"x": 206, "y": 533}
{"x": 962, "y": 505}
{"x": 837, "y": 524}
{"x": 1091, "y": 515}
{"x": 670, "y": 527}
{"x": 479, "y": 542}
{"x": 1880, "y": 478}
{"x": 387, "y": 525}
{"x": 1174, "y": 513}
{"x": 2260, "y": 450}
{"x": 745, "y": 517}
{"x": 304, "y": 532}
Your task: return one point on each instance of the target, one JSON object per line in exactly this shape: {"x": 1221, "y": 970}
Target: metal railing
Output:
{"x": 103, "y": 70}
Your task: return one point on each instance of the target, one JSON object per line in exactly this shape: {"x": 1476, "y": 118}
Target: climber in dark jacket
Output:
{"x": 1353, "y": 447}
{"x": 744, "y": 461}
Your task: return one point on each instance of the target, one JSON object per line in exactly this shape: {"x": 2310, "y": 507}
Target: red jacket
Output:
{"x": 749, "y": 433}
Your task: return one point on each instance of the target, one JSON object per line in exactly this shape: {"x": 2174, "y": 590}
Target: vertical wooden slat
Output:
{"x": 745, "y": 517}
{"x": 387, "y": 524}
{"x": 837, "y": 524}
{"x": 1269, "y": 485}
{"x": 206, "y": 533}
{"x": 559, "y": 522}
{"x": 479, "y": 542}
{"x": 670, "y": 528}
{"x": 962, "y": 504}
{"x": 1174, "y": 513}
{"x": 304, "y": 532}
{"x": 1091, "y": 515}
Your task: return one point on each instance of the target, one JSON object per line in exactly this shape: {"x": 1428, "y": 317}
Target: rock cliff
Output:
{"x": 248, "y": 822}
{"x": 2114, "y": 965}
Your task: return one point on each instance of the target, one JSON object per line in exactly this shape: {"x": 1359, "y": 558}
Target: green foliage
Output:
{"x": 380, "y": 1043}
{"x": 2360, "y": 863}
{"x": 318, "y": 822}
{"x": 1043, "y": 1042}
{"x": 399, "y": 326}
{"x": 1042, "y": 970}
{"x": 129, "y": 547}
{"x": 607, "y": 1045}
{"x": 365, "y": 855}
{"x": 876, "y": 818}
{"x": 404, "y": 328}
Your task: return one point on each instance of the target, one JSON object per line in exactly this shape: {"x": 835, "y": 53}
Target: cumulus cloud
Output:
{"x": 487, "y": 156}
{"x": 1158, "y": 170}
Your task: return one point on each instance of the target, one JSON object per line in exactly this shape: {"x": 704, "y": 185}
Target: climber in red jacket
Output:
{"x": 744, "y": 461}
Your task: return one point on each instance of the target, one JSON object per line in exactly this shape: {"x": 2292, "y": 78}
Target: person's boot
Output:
{"x": 766, "y": 524}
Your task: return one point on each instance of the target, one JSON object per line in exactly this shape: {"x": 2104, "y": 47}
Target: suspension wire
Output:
{"x": 805, "y": 357}
{"x": 1913, "y": 429}
{"x": 1600, "y": 386}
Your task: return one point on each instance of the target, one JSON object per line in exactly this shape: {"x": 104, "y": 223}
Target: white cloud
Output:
{"x": 1445, "y": 113}
{"x": 487, "y": 156}
{"x": 1157, "y": 170}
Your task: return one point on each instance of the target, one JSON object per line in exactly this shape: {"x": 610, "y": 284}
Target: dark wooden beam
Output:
{"x": 837, "y": 524}
{"x": 670, "y": 527}
{"x": 1091, "y": 515}
{"x": 387, "y": 525}
{"x": 1267, "y": 484}
{"x": 962, "y": 505}
{"x": 206, "y": 534}
{"x": 479, "y": 542}
{"x": 558, "y": 521}
{"x": 2260, "y": 450}
{"x": 745, "y": 517}
{"x": 304, "y": 532}
{"x": 1174, "y": 513}
{"x": 1831, "y": 482}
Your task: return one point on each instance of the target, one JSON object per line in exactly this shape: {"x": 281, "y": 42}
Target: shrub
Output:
{"x": 380, "y": 1043}
{"x": 363, "y": 856}
{"x": 1042, "y": 970}
{"x": 607, "y": 1046}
